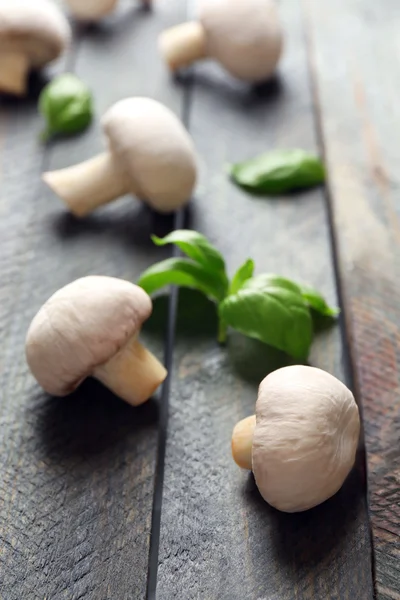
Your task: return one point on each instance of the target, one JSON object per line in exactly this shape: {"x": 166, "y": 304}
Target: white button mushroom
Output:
{"x": 90, "y": 10}
{"x": 150, "y": 154}
{"x": 32, "y": 34}
{"x": 243, "y": 35}
{"x": 93, "y": 10}
{"x": 90, "y": 328}
{"x": 301, "y": 445}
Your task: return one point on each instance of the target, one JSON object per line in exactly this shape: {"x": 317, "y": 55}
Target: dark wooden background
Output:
{"x": 99, "y": 501}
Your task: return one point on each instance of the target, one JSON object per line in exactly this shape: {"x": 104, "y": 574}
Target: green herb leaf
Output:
{"x": 242, "y": 274}
{"x": 271, "y": 309}
{"x": 67, "y": 105}
{"x": 268, "y": 280}
{"x": 182, "y": 272}
{"x": 279, "y": 172}
{"x": 196, "y": 246}
{"x": 318, "y": 303}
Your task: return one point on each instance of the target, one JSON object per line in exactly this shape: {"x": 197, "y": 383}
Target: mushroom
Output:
{"x": 88, "y": 328}
{"x": 32, "y": 34}
{"x": 90, "y": 10}
{"x": 150, "y": 154}
{"x": 243, "y": 35}
{"x": 93, "y": 10}
{"x": 302, "y": 442}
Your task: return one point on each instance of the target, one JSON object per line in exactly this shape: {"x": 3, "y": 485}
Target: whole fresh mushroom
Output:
{"x": 301, "y": 444}
{"x": 245, "y": 36}
{"x": 150, "y": 155}
{"x": 90, "y": 327}
{"x": 32, "y": 34}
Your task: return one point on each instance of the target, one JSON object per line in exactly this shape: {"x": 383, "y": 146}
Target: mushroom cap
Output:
{"x": 82, "y": 326}
{"x": 243, "y": 35}
{"x": 154, "y": 151}
{"x": 305, "y": 439}
{"x": 87, "y": 10}
{"x": 35, "y": 27}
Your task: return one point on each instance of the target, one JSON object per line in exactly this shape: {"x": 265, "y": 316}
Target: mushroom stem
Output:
{"x": 242, "y": 442}
{"x": 133, "y": 373}
{"x": 183, "y": 44}
{"x": 88, "y": 185}
{"x": 13, "y": 73}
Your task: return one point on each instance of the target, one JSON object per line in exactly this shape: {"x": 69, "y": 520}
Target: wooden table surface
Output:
{"x": 99, "y": 501}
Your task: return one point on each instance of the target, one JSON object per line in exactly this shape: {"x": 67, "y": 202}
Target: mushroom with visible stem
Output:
{"x": 91, "y": 11}
{"x": 301, "y": 444}
{"x": 32, "y": 34}
{"x": 245, "y": 36}
{"x": 90, "y": 327}
{"x": 150, "y": 155}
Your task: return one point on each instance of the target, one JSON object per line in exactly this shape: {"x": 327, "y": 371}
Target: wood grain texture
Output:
{"x": 219, "y": 540}
{"x": 354, "y": 47}
{"x": 77, "y": 475}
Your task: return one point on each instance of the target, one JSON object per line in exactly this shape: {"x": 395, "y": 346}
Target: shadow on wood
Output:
{"x": 130, "y": 223}
{"x": 115, "y": 24}
{"x": 252, "y": 359}
{"x": 302, "y": 541}
{"x": 91, "y": 421}
{"x": 211, "y": 78}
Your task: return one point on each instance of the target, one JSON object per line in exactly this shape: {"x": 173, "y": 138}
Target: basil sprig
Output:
{"x": 267, "y": 307}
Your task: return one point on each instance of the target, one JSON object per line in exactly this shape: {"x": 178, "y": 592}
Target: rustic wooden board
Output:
{"x": 218, "y": 539}
{"x": 357, "y": 78}
{"x": 77, "y": 475}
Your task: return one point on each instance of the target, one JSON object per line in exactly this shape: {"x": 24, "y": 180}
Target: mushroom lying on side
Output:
{"x": 32, "y": 34}
{"x": 90, "y": 328}
{"x": 302, "y": 442}
{"x": 150, "y": 155}
{"x": 243, "y": 35}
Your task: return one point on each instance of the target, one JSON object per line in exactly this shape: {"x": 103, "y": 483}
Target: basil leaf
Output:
{"x": 242, "y": 274}
{"x": 268, "y": 280}
{"x": 279, "y": 172}
{"x": 271, "y": 309}
{"x": 182, "y": 272}
{"x": 196, "y": 246}
{"x": 318, "y": 303}
{"x": 67, "y": 105}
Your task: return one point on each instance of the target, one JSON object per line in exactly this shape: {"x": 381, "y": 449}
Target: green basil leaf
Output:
{"x": 67, "y": 105}
{"x": 196, "y": 246}
{"x": 279, "y": 171}
{"x": 268, "y": 280}
{"x": 271, "y": 309}
{"x": 242, "y": 274}
{"x": 182, "y": 272}
{"x": 318, "y": 303}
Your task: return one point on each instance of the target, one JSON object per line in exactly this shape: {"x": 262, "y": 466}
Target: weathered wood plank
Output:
{"x": 218, "y": 539}
{"x": 77, "y": 475}
{"x": 354, "y": 48}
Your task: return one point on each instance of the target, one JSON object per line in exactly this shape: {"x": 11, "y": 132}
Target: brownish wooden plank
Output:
{"x": 356, "y": 77}
{"x": 219, "y": 540}
{"x": 77, "y": 475}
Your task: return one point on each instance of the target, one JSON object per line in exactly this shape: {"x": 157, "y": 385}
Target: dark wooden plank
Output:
{"x": 77, "y": 475}
{"x": 219, "y": 540}
{"x": 357, "y": 80}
